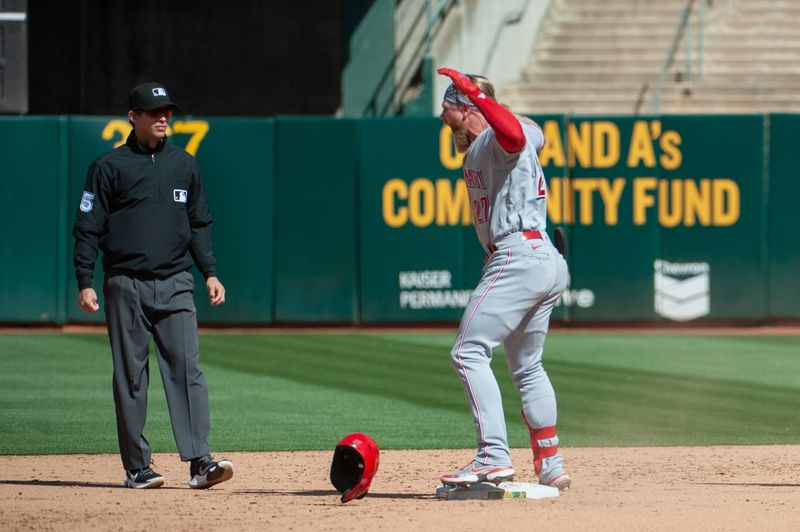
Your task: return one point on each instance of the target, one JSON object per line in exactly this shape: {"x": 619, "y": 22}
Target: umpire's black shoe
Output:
{"x": 205, "y": 472}
{"x": 142, "y": 478}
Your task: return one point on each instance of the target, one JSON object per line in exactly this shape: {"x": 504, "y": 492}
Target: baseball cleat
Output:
{"x": 142, "y": 479}
{"x": 472, "y": 474}
{"x": 562, "y": 482}
{"x": 553, "y": 473}
{"x": 204, "y": 472}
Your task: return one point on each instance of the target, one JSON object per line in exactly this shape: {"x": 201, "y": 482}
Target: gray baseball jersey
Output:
{"x": 520, "y": 285}
{"x": 507, "y": 191}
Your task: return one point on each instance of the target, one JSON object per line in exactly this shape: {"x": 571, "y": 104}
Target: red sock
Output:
{"x": 544, "y": 443}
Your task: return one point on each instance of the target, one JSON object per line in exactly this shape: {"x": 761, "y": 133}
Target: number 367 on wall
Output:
{"x": 118, "y": 131}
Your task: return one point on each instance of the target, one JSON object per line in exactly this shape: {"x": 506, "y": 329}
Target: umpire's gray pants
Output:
{"x": 137, "y": 309}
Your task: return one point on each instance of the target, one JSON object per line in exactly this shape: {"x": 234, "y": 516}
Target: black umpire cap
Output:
{"x": 149, "y": 96}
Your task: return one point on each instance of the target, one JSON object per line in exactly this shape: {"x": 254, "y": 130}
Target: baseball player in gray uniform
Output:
{"x": 523, "y": 278}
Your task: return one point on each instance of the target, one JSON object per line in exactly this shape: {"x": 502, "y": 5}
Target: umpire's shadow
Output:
{"x": 72, "y": 484}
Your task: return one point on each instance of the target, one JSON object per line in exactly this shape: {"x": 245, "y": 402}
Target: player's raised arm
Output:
{"x": 507, "y": 128}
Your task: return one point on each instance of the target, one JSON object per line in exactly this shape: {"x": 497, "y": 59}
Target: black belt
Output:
{"x": 526, "y": 235}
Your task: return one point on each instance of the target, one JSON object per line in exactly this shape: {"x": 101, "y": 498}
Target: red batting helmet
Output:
{"x": 355, "y": 462}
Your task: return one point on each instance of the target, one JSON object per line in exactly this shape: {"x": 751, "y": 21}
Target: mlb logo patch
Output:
{"x": 159, "y": 91}
{"x": 87, "y": 201}
{"x": 179, "y": 195}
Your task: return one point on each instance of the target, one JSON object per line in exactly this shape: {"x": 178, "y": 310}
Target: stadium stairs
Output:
{"x": 600, "y": 57}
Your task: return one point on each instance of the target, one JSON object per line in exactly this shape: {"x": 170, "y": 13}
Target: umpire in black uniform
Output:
{"x": 144, "y": 206}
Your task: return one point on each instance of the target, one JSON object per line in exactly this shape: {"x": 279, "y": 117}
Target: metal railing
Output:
{"x": 434, "y": 12}
{"x": 681, "y": 30}
{"x": 694, "y": 10}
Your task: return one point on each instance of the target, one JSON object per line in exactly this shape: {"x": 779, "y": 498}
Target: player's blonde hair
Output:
{"x": 483, "y": 84}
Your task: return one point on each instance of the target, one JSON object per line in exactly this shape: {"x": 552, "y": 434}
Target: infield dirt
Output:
{"x": 653, "y": 489}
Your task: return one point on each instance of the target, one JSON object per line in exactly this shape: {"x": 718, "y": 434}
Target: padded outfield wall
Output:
{"x": 318, "y": 220}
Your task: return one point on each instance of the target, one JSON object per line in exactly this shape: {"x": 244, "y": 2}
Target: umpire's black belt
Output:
{"x": 526, "y": 235}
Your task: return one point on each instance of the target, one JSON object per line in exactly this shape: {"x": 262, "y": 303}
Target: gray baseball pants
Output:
{"x": 136, "y": 310}
{"x": 520, "y": 286}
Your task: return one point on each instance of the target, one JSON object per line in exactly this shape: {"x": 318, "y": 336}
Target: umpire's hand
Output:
{"x": 87, "y": 300}
{"x": 216, "y": 292}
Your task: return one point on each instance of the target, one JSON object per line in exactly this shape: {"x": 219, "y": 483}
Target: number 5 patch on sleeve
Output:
{"x": 87, "y": 201}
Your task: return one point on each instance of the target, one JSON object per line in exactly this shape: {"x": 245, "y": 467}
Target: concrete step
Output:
{"x": 785, "y": 51}
{"x": 723, "y": 54}
{"x": 639, "y": 4}
{"x": 710, "y": 56}
{"x": 782, "y": 21}
{"x": 593, "y": 76}
{"x": 724, "y": 89}
{"x": 606, "y": 67}
{"x": 588, "y": 110}
{"x": 521, "y": 90}
{"x": 579, "y": 85}
{"x": 729, "y": 107}
{"x": 619, "y": 62}
{"x": 611, "y": 26}
{"x": 755, "y": 12}
{"x": 584, "y": 46}
{"x": 761, "y": 5}
{"x": 618, "y": 4}
{"x": 623, "y": 16}
{"x": 578, "y": 41}
{"x": 551, "y": 97}
{"x": 600, "y": 89}
{"x": 698, "y": 91}
{"x": 765, "y": 29}
{"x": 555, "y": 91}
{"x": 599, "y": 110}
{"x": 571, "y": 99}
{"x": 751, "y": 42}
{"x": 745, "y": 67}
{"x": 615, "y": 17}
{"x": 621, "y": 32}
{"x": 756, "y": 5}
{"x": 748, "y": 12}
{"x": 620, "y": 7}
{"x": 759, "y": 71}
{"x": 743, "y": 77}
{"x": 745, "y": 46}
{"x": 606, "y": 75}
{"x": 731, "y": 99}
{"x": 628, "y": 108}
{"x": 784, "y": 17}
{"x": 620, "y": 54}
{"x": 632, "y": 105}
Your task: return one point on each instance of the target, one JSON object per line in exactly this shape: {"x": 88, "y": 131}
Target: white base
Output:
{"x": 504, "y": 490}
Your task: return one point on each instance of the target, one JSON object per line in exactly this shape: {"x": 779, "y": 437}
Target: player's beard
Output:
{"x": 460, "y": 139}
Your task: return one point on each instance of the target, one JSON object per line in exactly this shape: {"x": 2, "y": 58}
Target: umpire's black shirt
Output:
{"x": 146, "y": 209}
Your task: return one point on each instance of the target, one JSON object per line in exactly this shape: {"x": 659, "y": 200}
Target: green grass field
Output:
{"x": 304, "y": 391}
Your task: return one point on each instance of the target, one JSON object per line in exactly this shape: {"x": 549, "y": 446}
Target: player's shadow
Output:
{"x": 334, "y": 493}
{"x": 70, "y": 484}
